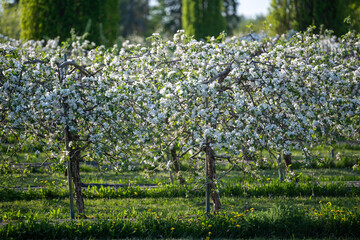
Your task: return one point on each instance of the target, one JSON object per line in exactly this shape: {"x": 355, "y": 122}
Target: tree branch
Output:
{"x": 80, "y": 68}
{"x": 221, "y": 76}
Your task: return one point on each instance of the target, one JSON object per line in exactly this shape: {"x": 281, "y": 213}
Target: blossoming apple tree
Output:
{"x": 67, "y": 102}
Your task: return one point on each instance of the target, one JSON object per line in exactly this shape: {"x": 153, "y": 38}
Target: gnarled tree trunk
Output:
{"x": 280, "y": 170}
{"x": 287, "y": 159}
{"x": 176, "y": 166}
{"x": 211, "y": 171}
{"x": 75, "y": 156}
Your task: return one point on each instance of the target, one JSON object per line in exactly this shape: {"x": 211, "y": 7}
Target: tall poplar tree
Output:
{"x": 51, "y": 18}
{"x": 203, "y": 18}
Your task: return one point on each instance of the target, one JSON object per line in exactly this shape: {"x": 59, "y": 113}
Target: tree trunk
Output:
{"x": 214, "y": 194}
{"x": 287, "y": 159}
{"x": 176, "y": 166}
{"x": 75, "y": 174}
{"x": 280, "y": 170}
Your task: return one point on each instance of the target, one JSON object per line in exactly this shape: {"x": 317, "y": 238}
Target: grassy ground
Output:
{"x": 160, "y": 213}
{"x": 323, "y": 168}
{"x": 331, "y": 212}
{"x": 278, "y": 217}
{"x": 165, "y": 207}
{"x": 113, "y": 177}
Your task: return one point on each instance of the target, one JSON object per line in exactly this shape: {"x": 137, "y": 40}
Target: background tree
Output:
{"x": 354, "y": 9}
{"x": 232, "y": 19}
{"x": 300, "y": 14}
{"x": 166, "y": 16}
{"x": 281, "y": 15}
{"x": 203, "y": 18}
{"x": 9, "y": 19}
{"x": 134, "y": 17}
{"x": 49, "y": 19}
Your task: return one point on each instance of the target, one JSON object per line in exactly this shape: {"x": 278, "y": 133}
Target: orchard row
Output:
{"x": 180, "y": 98}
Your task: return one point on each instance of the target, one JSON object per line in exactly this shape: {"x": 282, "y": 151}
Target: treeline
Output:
{"x": 105, "y": 21}
{"x": 48, "y": 19}
{"x": 110, "y": 20}
{"x": 337, "y": 15}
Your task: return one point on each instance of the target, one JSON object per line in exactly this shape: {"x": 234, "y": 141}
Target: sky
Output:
{"x": 251, "y": 8}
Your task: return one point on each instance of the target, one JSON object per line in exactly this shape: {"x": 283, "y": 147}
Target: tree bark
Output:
{"x": 211, "y": 168}
{"x": 287, "y": 159}
{"x": 75, "y": 174}
{"x": 280, "y": 170}
{"x": 176, "y": 166}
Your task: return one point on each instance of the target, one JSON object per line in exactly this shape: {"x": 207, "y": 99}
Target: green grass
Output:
{"x": 258, "y": 208}
{"x": 338, "y": 174}
{"x": 165, "y": 207}
{"x": 32, "y": 179}
{"x": 91, "y": 175}
{"x": 184, "y": 218}
{"x": 263, "y": 188}
{"x": 247, "y": 210}
{"x": 349, "y": 154}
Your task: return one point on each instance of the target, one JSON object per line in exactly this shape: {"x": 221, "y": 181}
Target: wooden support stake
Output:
{"x": 207, "y": 187}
